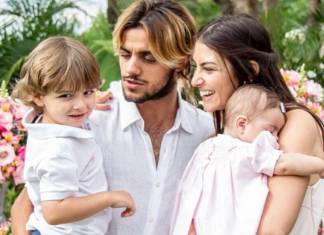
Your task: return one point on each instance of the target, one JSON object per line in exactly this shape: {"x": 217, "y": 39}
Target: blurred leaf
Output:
{"x": 25, "y": 24}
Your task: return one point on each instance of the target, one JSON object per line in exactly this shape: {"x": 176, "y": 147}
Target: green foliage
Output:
{"x": 98, "y": 39}
{"x": 202, "y": 10}
{"x": 297, "y": 39}
{"x": 11, "y": 194}
{"x": 27, "y": 23}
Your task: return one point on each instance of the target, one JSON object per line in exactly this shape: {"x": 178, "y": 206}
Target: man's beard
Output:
{"x": 155, "y": 95}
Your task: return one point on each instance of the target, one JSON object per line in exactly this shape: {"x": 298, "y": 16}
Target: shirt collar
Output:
{"x": 129, "y": 113}
{"x": 49, "y": 130}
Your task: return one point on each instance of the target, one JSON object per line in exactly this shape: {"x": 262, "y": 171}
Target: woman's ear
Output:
{"x": 241, "y": 122}
{"x": 255, "y": 66}
{"x": 38, "y": 100}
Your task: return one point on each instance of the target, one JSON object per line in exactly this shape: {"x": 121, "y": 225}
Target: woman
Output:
{"x": 234, "y": 50}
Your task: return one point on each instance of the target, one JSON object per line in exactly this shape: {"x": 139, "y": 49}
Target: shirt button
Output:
{"x": 157, "y": 185}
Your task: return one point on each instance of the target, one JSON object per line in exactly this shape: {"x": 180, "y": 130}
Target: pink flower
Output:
{"x": 18, "y": 173}
{"x": 314, "y": 107}
{"x": 21, "y": 153}
{"x": 7, "y": 154}
{"x": 306, "y": 92}
{"x": 10, "y": 138}
{"x": 6, "y": 120}
{"x": 18, "y": 111}
{"x": 5, "y": 106}
{"x": 314, "y": 90}
{"x": 291, "y": 77}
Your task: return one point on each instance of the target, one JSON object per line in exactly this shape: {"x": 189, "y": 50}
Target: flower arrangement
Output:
{"x": 5, "y": 228}
{"x": 12, "y": 139}
{"x": 306, "y": 91}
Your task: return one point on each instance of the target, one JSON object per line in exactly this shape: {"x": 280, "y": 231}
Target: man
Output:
{"x": 150, "y": 134}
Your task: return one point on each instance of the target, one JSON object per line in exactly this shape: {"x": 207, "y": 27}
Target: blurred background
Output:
{"x": 296, "y": 27}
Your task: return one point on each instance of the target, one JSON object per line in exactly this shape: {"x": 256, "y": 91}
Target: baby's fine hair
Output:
{"x": 250, "y": 101}
{"x": 57, "y": 64}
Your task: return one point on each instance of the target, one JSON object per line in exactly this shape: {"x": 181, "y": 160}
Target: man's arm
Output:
{"x": 298, "y": 164}
{"x": 74, "y": 209}
{"x": 20, "y": 212}
{"x": 287, "y": 192}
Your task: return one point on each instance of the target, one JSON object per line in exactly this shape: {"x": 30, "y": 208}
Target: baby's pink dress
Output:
{"x": 224, "y": 187}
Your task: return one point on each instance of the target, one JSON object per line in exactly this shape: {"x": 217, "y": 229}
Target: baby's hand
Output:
{"x": 322, "y": 174}
{"x": 102, "y": 97}
{"x": 123, "y": 199}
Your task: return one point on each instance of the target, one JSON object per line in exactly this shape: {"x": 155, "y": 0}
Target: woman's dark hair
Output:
{"x": 241, "y": 39}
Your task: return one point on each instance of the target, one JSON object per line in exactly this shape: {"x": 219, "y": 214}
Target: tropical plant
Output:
{"x": 27, "y": 22}
{"x": 202, "y": 10}
{"x": 98, "y": 40}
{"x": 297, "y": 33}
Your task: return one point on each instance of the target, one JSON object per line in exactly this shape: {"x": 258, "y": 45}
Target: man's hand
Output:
{"x": 102, "y": 100}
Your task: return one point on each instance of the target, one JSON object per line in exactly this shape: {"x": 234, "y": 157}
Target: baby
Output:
{"x": 224, "y": 187}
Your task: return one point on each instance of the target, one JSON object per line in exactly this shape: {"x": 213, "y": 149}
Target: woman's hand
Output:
{"x": 102, "y": 100}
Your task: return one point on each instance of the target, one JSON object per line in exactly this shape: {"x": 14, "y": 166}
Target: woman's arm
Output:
{"x": 77, "y": 208}
{"x": 287, "y": 192}
{"x": 20, "y": 212}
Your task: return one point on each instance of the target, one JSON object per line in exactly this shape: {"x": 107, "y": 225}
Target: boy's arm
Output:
{"x": 20, "y": 212}
{"x": 298, "y": 164}
{"x": 77, "y": 208}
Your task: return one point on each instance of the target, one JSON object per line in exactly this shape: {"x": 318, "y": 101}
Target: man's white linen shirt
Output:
{"x": 130, "y": 163}
{"x": 61, "y": 162}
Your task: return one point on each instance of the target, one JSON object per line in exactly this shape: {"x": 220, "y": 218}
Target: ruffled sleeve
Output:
{"x": 264, "y": 154}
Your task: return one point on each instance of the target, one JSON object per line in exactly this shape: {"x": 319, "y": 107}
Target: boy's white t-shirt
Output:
{"x": 63, "y": 161}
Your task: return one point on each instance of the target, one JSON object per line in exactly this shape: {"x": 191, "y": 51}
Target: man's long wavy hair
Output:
{"x": 170, "y": 29}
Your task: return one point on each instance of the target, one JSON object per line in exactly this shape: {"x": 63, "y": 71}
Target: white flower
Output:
{"x": 297, "y": 34}
{"x": 311, "y": 74}
{"x": 321, "y": 51}
{"x": 321, "y": 66}
{"x": 7, "y": 154}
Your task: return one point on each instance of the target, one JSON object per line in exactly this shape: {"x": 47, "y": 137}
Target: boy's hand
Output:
{"x": 102, "y": 97}
{"x": 123, "y": 199}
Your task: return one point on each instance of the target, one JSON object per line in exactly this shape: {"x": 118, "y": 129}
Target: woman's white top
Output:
{"x": 311, "y": 211}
